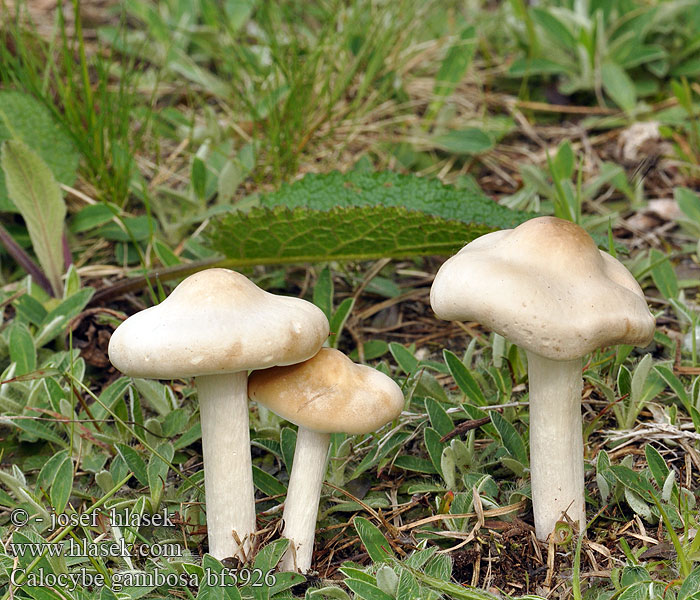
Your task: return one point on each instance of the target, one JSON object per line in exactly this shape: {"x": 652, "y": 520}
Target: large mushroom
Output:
{"x": 326, "y": 394}
{"x": 216, "y": 326}
{"x": 546, "y": 287}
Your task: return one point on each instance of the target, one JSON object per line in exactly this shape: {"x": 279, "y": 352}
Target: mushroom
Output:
{"x": 326, "y": 394}
{"x": 546, "y": 287}
{"x": 216, "y": 326}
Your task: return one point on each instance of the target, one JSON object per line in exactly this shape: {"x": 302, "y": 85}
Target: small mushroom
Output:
{"x": 216, "y": 326}
{"x": 326, "y": 394}
{"x": 546, "y": 287}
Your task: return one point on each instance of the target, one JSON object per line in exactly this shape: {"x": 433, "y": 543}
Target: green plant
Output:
{"x": 622, "y": 49}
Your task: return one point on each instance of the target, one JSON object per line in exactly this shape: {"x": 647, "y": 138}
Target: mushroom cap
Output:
{"x": 547, "y": 288}
{"x": 328, "y": 394}
{"x": 217, "y": 321}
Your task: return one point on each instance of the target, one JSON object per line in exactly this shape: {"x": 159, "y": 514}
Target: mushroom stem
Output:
{"x": 228, "y": 478}
{"x": 303, "y": 495}
{"x": 556, "y": 442}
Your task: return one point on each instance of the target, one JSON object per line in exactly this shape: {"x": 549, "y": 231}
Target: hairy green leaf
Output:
{"x": 358, "y": 216}
{"x": 388, "y": 189}
{"x": 23, "y": 118}
{"x": 280, "y": 235}
{"x": 33, "y": 188}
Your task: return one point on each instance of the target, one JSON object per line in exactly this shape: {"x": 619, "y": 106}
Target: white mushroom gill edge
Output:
{"x": 228, "y": 478}
{"x": 556, "y": 442}
{"x": 303, "y": 495}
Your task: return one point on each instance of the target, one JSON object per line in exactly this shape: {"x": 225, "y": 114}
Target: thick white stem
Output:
{"x": 228, "y": 474}
{"x": 303, "y": 495}
{"x": 556, "y": 442}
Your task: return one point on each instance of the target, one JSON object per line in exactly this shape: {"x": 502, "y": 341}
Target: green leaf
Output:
{"x": 619, "y": 86}
{"x": 367, "y": 591}
{"x": 453, "y": 68}
{"x": 510, "y": 437}
{"x": 464, "y": 379}
{"x": 385, "y": 188}
{"x": 675, "y": 384}
{"x": 219, "y": 586}
{"x": 48, "y": 471}
{"x": 288, "y": 442}
{"x": 406, "y": 361}
{"x": 554, "y": 28}
{"x": 373, "y": 540}
{"x": 633, "y": 481}
{"x": 357, "y": 216}
{"x": 25, "y": 119}
{"x": 22, "y": 350}
{"x": 62, "y": 485}
{"x": 93, "y": 215}
{"x": 690, "y": 586}
{"x": 270, "y": 555}
{"x": 266, "y": 483}
{"x": 323, "y": 292}
{"x": 657, "y": 465}
{"x": 134, "y": 462}
{"x": 414, "y": 463}
{"x": 523, "y": 67}
{"x": 464, "y": 141}
{"x": 32, "y": 187}
{"x": 337, "y": 321}
{"x": 434, "y": 447}
{"x": 663, "y": 274}
{"x": 439, "y": 418}
{"x": 688, "y": 202}
{"x": 157, "y": 470}
{"x": 281, "y": 236}
{"x": 564, "y": 161}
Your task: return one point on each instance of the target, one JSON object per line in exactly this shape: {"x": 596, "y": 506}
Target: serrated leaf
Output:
{"x": 24, "y": 118}
{"x": 34, "y": 191}
{"x": 393, "y": 220}
{"x": 388, "y": 189}
{"x": 279, "y": 236}
{"x": 373, "y": 540}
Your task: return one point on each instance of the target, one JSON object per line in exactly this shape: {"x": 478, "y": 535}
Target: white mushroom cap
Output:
{"x": 547, "y": 288}
{"x": 217, "y": 321}
{"x": 328, "y": 394}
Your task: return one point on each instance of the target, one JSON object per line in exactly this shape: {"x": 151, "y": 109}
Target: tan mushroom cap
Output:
{"x": 546, "y": 287}
{"x": 328, "y": 394}
{"x": 217, "y": 321}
